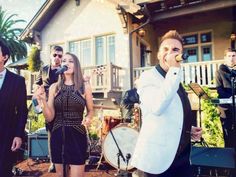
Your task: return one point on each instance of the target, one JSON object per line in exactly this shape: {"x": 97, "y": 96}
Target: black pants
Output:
{"x": 227, "y": 129}
{"x": 6, "y": 164}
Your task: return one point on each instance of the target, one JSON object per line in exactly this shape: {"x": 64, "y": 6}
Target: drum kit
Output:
{"x": 118, "y": 139}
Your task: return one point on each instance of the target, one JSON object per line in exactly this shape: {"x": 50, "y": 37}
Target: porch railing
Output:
{"x": 105, "y": 78}
{"x": 202, "y": 73}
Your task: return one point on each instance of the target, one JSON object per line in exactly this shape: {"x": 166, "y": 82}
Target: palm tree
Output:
{"x": 9, "y": 35}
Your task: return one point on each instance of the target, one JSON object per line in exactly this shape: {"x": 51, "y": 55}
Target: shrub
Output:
{"x": 212, "y": 129}
{"x": 211, "y": 125}
{"x": 35, "y": 121}
{"x": 34, "y": 61}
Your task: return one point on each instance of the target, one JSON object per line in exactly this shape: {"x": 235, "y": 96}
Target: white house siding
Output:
{"x": 90, "y": 19}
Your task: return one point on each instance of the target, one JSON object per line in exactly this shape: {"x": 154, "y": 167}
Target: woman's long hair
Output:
{"x": 77, "y": 76}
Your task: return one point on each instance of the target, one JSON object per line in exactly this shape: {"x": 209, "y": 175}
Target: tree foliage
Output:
{"x": 9, "y": 35}
{"x": 34, "y": 61}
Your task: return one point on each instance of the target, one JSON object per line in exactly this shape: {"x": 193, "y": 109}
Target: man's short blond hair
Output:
{"x": 229, "y": 50}
{"x": 172, "y": 34}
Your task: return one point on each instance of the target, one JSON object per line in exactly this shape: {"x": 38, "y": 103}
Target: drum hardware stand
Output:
{"x": 128, "y": 156}
{"x": 120, "y": 154}
{"x": 101, "y": 117}
{"x": 64, "y": 165}
{"x": 233, "y": 82}
{"x": 100, "y": 160}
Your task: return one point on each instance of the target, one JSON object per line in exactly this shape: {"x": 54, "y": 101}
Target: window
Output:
{"x": 105, "y": 49}
{"x": 83, "y": 50}
{"x": 73, "y": 47}
{"x": 206, "y": 53}
{"x": 205, "y": 37}
{"x": 100, "y": 59}
{"x": 191, "y": 39}
{"x": 198, "y": 46}
{"x": 193, "y": 55}
{"x": 111, "y": 49}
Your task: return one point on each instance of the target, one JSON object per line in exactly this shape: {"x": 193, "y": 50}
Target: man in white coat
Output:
{"x": 164, "y": 143}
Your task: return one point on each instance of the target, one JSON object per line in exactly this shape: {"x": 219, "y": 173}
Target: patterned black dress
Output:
{"x": 68, "y": 132}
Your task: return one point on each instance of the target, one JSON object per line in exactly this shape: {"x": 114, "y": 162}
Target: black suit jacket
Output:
{"x": 223, "y": 82}
{"x": 46, "y": 77}
{"x": 13, "y": 115}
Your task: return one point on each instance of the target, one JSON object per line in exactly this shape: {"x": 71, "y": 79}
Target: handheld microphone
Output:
{"x": 181, "y": 57}
{"x": 62, "y": 70}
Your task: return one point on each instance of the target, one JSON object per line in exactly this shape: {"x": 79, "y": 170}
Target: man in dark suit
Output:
{"x": 13, "y": 113}
{"x": 224, "y": 89}
{"x": 46, "y": 77}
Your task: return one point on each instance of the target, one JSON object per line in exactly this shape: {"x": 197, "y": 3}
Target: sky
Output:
{"x": 26, "y": 9}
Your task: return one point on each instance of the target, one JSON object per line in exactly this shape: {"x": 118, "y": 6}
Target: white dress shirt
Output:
{"x": 2, "y": 77}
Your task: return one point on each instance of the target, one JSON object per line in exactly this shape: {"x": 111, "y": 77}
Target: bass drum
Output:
{"x": 126, "y": 139}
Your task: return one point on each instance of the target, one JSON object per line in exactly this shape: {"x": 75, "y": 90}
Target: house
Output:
{"x": 116, "y": 40}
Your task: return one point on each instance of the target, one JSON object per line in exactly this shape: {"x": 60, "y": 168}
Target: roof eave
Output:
{"x": 41, "y": 18}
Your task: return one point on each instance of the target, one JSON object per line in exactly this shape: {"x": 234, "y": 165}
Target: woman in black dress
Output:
{"x": 66, "y": 103}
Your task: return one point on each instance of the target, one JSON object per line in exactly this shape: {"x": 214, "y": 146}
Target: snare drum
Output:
{"x": 109, "y": 122}
{"x": 126, "y": 139}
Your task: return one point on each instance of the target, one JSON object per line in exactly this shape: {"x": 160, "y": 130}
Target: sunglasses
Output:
{"x": 59, "y": 55}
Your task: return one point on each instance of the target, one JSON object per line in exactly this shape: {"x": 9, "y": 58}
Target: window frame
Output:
{"x": 92, "y": 39}
{"x": 106, "y": 50}
{"x": 200, "y": 45}
{"x": 78, "y": 50}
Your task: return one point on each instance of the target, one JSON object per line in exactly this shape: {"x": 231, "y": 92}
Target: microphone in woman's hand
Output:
{"x": 62, "y": 70}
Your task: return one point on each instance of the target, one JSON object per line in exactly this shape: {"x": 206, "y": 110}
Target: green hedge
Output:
{"x": 211, "y": 121}
{"x": 211, "y": 125}
{"x": 35, "y": 121}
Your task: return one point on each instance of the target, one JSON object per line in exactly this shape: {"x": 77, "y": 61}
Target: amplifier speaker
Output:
{"x": 213, "y": 157}
{"x": 38, "y": 147}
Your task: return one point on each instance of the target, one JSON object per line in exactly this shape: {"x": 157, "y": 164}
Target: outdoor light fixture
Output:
{"x": 232, "y": 40}
{"x": 233, "y": 36}
{"x": 141, "y": 32}
{"x": 148, "y": 51}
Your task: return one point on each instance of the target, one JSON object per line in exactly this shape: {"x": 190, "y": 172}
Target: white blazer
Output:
{"x": 162, "y": 121}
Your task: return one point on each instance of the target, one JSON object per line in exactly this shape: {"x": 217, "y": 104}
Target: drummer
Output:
{"x": 130, "y": 101}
